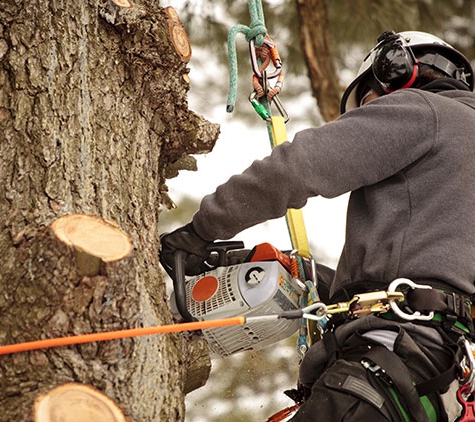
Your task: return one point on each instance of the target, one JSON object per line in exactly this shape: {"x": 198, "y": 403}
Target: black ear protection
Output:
{"x": 394, "y": 64}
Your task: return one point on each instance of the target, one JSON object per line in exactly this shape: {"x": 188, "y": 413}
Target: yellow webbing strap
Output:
{"x": 294, "y": 217}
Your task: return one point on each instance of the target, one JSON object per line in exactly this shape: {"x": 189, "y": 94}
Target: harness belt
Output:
{"x": 453, "y": 307}
{"x": 452, "y": 311}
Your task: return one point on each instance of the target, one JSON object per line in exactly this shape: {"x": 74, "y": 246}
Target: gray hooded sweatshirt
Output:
{"x": 408, "y": 159}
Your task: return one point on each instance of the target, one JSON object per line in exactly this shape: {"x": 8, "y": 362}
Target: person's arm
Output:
{"x": 361, "y": 148}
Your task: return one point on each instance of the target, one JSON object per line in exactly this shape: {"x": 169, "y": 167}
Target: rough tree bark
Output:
{"x": 315, "y": 43}
{"x": 93, "y": 118}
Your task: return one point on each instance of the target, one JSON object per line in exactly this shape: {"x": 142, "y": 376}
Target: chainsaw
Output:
{"x": 260, "y": 285}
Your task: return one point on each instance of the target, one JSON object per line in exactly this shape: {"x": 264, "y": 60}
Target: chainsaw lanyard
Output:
{"x": 294, "y": 217}
{"x": 277, "y": 136}
{"x": 306, "y": 312}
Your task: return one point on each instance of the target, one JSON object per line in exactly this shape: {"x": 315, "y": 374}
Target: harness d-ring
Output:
{"x": 398, "y": 311}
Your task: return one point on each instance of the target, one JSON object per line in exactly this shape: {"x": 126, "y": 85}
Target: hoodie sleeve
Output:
{"x": 361, "y": 148}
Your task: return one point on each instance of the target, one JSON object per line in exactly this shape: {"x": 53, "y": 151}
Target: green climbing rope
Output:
{"x": 257, "y": 31}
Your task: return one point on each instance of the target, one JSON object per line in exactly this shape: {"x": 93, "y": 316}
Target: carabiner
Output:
{"x": 398, "y": 311}
{"x": 373, "y": 302}
{"x": 468, "y": 406}
{"x": 258, "y": 107}
{"x": 320, "y": 311}
{"x": 467, "y": 364}
{"x": 255, "y": 64}
{"x": 281, "y": 108}
{"x": 275, "y": 98}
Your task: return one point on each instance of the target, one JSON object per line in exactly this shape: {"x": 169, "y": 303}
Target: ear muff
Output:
{"x": 394, "y": 64}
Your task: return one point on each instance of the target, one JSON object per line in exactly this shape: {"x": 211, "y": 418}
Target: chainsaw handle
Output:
{"x": 179, "y": 285}
{"x": 222, "y": 248}
{"x": 179, "y": 280}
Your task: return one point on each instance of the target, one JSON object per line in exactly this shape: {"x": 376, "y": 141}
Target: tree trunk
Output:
{"x": 93, "y": 117}
{"x": 315, "y": 42}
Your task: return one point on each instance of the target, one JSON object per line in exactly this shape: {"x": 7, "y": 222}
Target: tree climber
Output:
{"x": 404, "y": 147}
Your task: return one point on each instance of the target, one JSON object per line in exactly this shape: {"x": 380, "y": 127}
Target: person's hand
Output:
{"x": 186, "y": 239}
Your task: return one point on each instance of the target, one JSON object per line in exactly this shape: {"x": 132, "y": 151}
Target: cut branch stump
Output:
{"x": 94, "y": 240}
{"x": 75, "y": 402}
{"x": 178, "y": 34}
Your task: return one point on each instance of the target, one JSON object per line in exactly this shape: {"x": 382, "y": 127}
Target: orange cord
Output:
{"x": 114, "y": 335}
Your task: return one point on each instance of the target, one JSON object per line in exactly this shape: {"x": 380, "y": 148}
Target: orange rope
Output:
{"x": 114, "y": 335}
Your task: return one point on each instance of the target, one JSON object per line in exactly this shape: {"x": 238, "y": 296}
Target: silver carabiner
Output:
{"x": 398, "y": 311}
{"x": 275, "y": 98}
{"x": 255, "y": 64}
{"x": 468, "y": 364}
{"x": 320, "y": 311}
{"x": 281, "y": 108}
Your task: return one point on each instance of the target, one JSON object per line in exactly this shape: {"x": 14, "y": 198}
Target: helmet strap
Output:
{"x": 444, "y": 65}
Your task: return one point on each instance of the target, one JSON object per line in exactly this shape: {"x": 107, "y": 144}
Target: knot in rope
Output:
{"x": 256, "y": 31}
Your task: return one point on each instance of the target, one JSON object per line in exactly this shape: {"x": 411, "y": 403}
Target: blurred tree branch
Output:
{"x": 315, "y": 43}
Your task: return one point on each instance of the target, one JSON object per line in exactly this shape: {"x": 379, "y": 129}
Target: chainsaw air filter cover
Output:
{"x": 249, "y": 289}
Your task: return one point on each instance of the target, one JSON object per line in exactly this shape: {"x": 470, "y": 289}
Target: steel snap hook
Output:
{"x": 320, "y": 311}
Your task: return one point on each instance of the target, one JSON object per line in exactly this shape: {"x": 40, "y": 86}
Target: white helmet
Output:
{"x": 394, "y": 64}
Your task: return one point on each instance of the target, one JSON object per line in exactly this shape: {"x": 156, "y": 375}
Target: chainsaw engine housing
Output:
{"x": 248, "y": 289}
